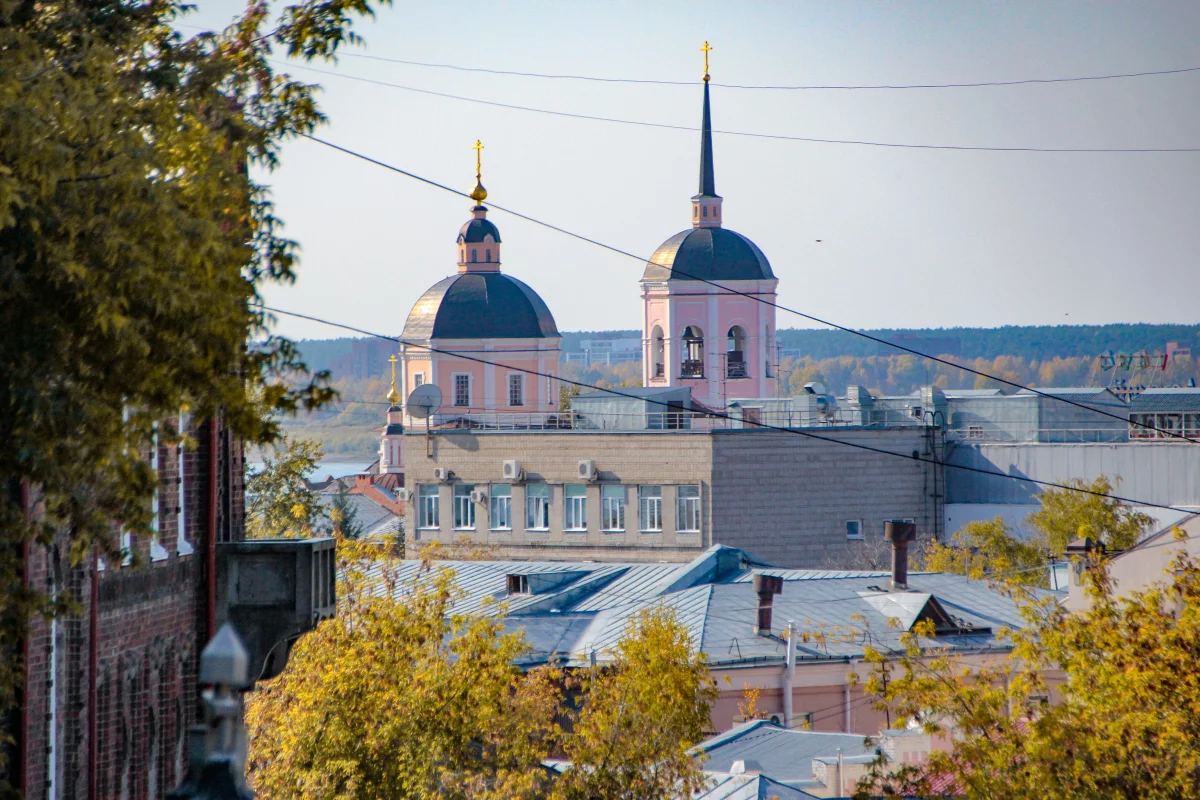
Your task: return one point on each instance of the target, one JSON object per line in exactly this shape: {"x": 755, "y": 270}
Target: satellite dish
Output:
{"x": 424, "y": 401}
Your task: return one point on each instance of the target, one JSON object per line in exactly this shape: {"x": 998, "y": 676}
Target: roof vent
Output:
{"x": 766, "y": 587}
{"x": 746, "y": 766}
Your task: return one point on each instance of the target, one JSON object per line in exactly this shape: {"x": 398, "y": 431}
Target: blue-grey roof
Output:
{"x": 473, "y": 231}
{"x": 1151, "y": 401}
{"x": 372, "y": 518}
{"x": 480, "y": 305}
{"x": 749, "y": 787}
{"x": 586, "y": 606}
{"x": 785, "y": 755}
{"x": 711, "y": 254}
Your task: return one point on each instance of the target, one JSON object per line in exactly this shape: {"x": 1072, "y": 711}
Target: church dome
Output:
{"x": 474, "y": 231}
{"x": 480, "y": 305}
{"x": 711, "y": 254}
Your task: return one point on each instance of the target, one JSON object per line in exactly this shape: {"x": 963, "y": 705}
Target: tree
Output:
{"x": 405, "y": 698}
{"x": 343, "y": 516}
{"x": 987, "y": 548}
{"x": 1125, "y": 722}
{"x": 1066, "y": 515}
{"x": 640, "y": 717}
{"x": 134, "y": 246}
{"x": 279, "y": 503}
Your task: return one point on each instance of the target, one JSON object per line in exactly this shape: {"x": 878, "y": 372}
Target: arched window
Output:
{"x": 474, "y": 255}
{"x": 735, "y": 353}
{"x": 693, "y": 352}
{"x": 705, "y": 211}
{"x": 656, "y": 353}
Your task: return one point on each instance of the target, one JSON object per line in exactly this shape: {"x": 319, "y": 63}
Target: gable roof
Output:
{"x": 784, "y": 754}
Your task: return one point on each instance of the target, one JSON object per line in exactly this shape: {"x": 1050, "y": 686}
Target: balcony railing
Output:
{"x": 692, "y": 368}
{"x": 735, "y": 370}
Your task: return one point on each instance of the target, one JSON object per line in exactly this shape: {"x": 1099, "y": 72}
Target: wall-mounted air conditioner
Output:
{"x": 402, "y": 494}
{"x": 443, "y": 474}
{"x": 587, "y": 470}
{"x": 478, "y": 496}
{"x": 513, "y": 471}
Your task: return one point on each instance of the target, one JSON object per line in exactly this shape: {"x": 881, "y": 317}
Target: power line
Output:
{"x": 757, "y": 298}
{"x": 780, "y": 137}
{"x": 915, "y": 456}
{"x": 598, "y": 79}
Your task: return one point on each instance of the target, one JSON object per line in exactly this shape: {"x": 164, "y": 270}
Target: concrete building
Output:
{"x": 667, "y": 494}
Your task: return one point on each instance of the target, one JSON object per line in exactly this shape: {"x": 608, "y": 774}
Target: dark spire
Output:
{"x": 708, "y": 184}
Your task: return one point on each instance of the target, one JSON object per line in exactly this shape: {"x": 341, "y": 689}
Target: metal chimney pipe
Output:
{"x": 766, "y": 587}
{"x": 899, "y": 534}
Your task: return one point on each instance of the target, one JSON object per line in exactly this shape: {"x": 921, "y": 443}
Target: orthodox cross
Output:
{"x": 707, "y": 47}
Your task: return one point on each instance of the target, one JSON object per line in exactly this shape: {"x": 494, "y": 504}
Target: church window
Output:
{"x": 716, "y": 211}
{"x": 693, "y": 352}
{"x": 516, "y": 389}
{"x": 487, "y": 255}
{"x": 696, "y": 211}
{"x": 735, "y": 355}
{"x": 704, "y": 213}
{"x": 474, "y": 255}
{"x": 462, "y": 390}
{"x": 657, "y": 353}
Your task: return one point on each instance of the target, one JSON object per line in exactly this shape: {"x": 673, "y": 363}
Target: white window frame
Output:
{"x": 537, "y": 507}
{"x": 454, "y": 378}
{"x": 516, "y": 381}
{"x": 418, "y": 379}
{"x": 650, "y": 509}
{"x": 574, "y": 507}
{"x": 612, "y": 505}
{"x": 463, "y": 507}
{"x": 428, "y": 507}
{"x": 687, "y": 509}
{"x": 854, "y": 530}
{"x": 157, "y": 551}
{"x": 500, "y": 507}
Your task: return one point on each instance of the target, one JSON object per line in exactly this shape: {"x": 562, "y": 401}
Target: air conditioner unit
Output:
{"x": 402, "y": 494}
{"x": 513, "y": 471}
{"x": 478, "y": 496}
{"x": 442, "y": 474}
{"x": 587, "y": 470}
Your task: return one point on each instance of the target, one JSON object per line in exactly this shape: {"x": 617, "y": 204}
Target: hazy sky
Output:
{"x": 910, "y": 238}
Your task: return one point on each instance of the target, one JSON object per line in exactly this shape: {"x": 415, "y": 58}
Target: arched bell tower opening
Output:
{"x": 658, "y": 352}
{"x": 693, "y": 353}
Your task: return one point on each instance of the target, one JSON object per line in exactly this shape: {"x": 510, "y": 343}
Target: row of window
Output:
{"x": 498, "y": 501}
{"x": 516, "y": 389}
{"x": 487, "y": 255}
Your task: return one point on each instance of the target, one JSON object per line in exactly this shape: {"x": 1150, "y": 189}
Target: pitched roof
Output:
{"x": 371, "y": 517}
{"x": 784, "y": 754}
{"x": 749, "y": 787}
{"x": 1183, "y": 399}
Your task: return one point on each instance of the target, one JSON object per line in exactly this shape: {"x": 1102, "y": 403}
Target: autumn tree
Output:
{"x": 1124, "y": 721}
{"x": 1068, "y": 515}
{"x": 400, "y": 696}
{"x": 984, "y": 549}
{"x": 279, "y": 503}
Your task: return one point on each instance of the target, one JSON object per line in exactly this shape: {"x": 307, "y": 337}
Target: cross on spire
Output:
{"x": 706, "y": 49}
{"x": 478, "y": 194}
{"x": 393, "y": 396}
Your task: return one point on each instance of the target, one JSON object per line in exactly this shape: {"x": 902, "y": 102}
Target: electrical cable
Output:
{"x": 756, "y": 297}
{"x": 779, "y": 137}
{"x": 597, "y": 79}
{"x": 915, "y": 456}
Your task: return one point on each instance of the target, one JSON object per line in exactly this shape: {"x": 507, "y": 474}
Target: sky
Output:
{"x": 908, "y": 237}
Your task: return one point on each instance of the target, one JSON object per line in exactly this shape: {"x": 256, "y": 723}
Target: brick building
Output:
{"x": 111, "y": 690}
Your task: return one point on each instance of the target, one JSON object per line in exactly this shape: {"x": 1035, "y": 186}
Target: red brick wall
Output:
{"x": 152, "y": 621}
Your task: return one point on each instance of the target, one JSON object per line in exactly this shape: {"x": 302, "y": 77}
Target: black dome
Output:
{"x": 475, "y": 229}
{"x": 480, "y": 305}
{"x": 711, "y": 254}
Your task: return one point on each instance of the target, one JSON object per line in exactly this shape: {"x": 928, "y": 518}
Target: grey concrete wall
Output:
{"x": 787, "y": 498}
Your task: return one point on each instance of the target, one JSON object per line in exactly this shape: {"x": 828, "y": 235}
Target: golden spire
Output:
{"x": 478, "y": 194}
{"x": 707, "y": 47}
{"x": 393, "y": 396}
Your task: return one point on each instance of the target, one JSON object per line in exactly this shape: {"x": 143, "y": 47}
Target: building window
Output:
{"x": 854, "y": 529}
{"x": 576, "y": 508}
{"x": 462, "y": 390}
{"x": 537, "y": 507}
{"x": 650, "y": 508}
{"x": 974, "y": 431}
{"x": 474, "y": 255}
{"x": 516, "y": 389}
{"x": 657, "y": 353}
{"x": 612, "y": 508}
{"x": 500, "y": 508}
{"x": 735, "y": 353}
{"x": 487, "y": 255}
{"x": 418, "y": 379}
{"x": 693, "y": 353}
{"x": 464, "y": 509}
{"x": 427, "y": 506}
{"x": 687, "y": 509}
{"x": 704, "y": 212}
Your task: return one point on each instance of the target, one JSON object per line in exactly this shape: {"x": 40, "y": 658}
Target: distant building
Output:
{"x": 1165, "y": 414}
{"x": 589, "y": 352}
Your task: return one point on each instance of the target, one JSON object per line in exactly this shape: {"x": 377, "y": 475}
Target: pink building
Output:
{"x": 705, "y": 325}
{"x": 477, "y": 313}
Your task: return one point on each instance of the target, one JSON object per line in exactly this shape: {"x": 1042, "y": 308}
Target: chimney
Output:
{"x": 766, "y": 587}
{"x": 900, "y": 534}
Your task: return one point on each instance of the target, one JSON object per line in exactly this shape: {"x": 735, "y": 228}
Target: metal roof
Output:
{"x": 713, "y": 254}
{"x": 749, "y": 787}
{"x": 480, "y": 305}
{"x": 589, "y": 609}
{"x": 1151, "y": 401}
{"x": 475, "y": 230}
{"x": 785, "y": 754}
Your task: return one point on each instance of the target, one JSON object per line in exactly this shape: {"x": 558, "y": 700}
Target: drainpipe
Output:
{"x": 93, "y": 661}
{"x": 211, "y": 554}
{"x": 841, "y": 770}
{"x": 789, "y": 673}
{"x": 846, "y": 705}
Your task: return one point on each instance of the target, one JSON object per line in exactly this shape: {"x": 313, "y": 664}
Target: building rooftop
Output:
{"x": 1151, "y": 401}
{"x": 480, "y": 305}
{"x": 783, "y": 754}
{"x": 714, "y": 254}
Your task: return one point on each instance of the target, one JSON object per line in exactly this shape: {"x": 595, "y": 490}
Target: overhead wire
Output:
{"x": 757, "y": 298}
{"x": 779, "y": 137}
{"x": 915, "y": 456}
